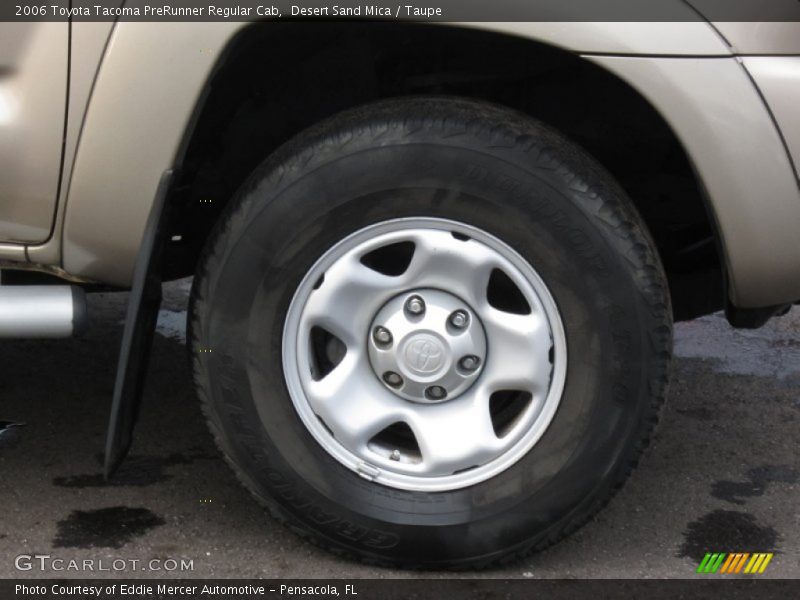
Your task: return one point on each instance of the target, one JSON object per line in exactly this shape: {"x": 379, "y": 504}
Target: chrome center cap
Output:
{"x": 427, "y": 346}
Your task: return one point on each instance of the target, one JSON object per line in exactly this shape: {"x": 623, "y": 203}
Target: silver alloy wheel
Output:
{"x": 366, "y": 346}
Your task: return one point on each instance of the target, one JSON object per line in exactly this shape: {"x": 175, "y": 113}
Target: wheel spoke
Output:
{"x": 462, "y": 267}
{"x": 353, "y": 405}
{"x": 349, "y": 295}
{"x": 519, "y": 352}
{"x": 454, "y": 436}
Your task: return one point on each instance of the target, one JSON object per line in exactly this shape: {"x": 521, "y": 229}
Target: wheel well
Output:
{"x": 276, "y": 79}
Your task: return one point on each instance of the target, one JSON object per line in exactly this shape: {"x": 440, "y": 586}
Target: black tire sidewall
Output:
{"x": 295, "y": 209}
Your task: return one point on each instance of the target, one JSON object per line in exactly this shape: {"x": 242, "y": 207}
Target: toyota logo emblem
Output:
{"x": 424, "y": 355}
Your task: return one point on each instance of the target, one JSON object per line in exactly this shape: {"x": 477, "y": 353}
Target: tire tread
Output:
{"x": 455, "y": 118}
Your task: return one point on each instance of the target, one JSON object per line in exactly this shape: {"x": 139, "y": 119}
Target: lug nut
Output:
{"x": 435, "y": 392}
{"x": 469, "y": 363}
{"x": 459, "y": 319}
{"x": 382, "y": 336}
{"x": 395, "y": 455}
{"x": 415, "y": 305}
{"x": 392, "y": 379}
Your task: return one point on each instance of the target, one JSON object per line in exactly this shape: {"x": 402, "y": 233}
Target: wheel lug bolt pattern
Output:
{"x": 436, "y": 392}
{"x": 459, "y": 319}
{"x": 415, "y": 305}
{"x": 469, "y": 363}
{"x": 382, "y": 336}
{"x": 427, "y": 346}
{"x": 393, "y": 379}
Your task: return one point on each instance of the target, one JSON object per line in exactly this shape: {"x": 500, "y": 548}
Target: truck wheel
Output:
{"x": 431, "y": 333}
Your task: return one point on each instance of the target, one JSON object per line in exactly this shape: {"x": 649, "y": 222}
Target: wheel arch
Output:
{"x": 243, "y": 90}
{"x": 246, "y": 116}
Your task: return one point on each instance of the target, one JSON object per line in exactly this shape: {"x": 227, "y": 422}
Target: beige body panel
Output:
{"x": 88, "y": 46}
{"x": 728, "y": 133}
{"x": 761, "y": 38}
{"x": 33, "y": 93}
{"x": 130, "y": 139}
{"x": 152, "y": 75}
{"x": 778, "y": 78}
{"x": 654, "y": 39}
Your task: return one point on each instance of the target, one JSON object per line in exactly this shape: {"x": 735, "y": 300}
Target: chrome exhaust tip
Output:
{"x": 42, "y": 311}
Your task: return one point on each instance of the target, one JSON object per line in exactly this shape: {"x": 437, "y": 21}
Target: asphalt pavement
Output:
{"x": 722, "y": 474}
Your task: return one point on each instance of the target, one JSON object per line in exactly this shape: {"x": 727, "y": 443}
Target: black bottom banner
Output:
{"x": 391, "y": 589}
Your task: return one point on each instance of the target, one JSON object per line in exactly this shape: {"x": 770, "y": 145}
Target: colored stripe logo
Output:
{"x": 734, "y": 562}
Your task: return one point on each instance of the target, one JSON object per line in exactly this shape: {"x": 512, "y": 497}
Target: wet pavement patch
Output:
{"x": 786, "y": 343}
{"x": 701, "y": 414}
{"x": 759, "y": 480}
{"x": 105, "y": 528}
{"x": 726, "y": 531}
{"x": 136, "y": 471}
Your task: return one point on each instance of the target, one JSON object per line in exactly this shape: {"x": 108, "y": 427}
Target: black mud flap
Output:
{"x": 137, "y": 337}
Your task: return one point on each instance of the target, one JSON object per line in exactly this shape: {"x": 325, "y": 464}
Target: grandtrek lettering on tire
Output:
{"x": 443, "y": 333}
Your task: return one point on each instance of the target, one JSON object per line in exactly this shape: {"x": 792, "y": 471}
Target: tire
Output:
{"x": 486, "y": 169}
